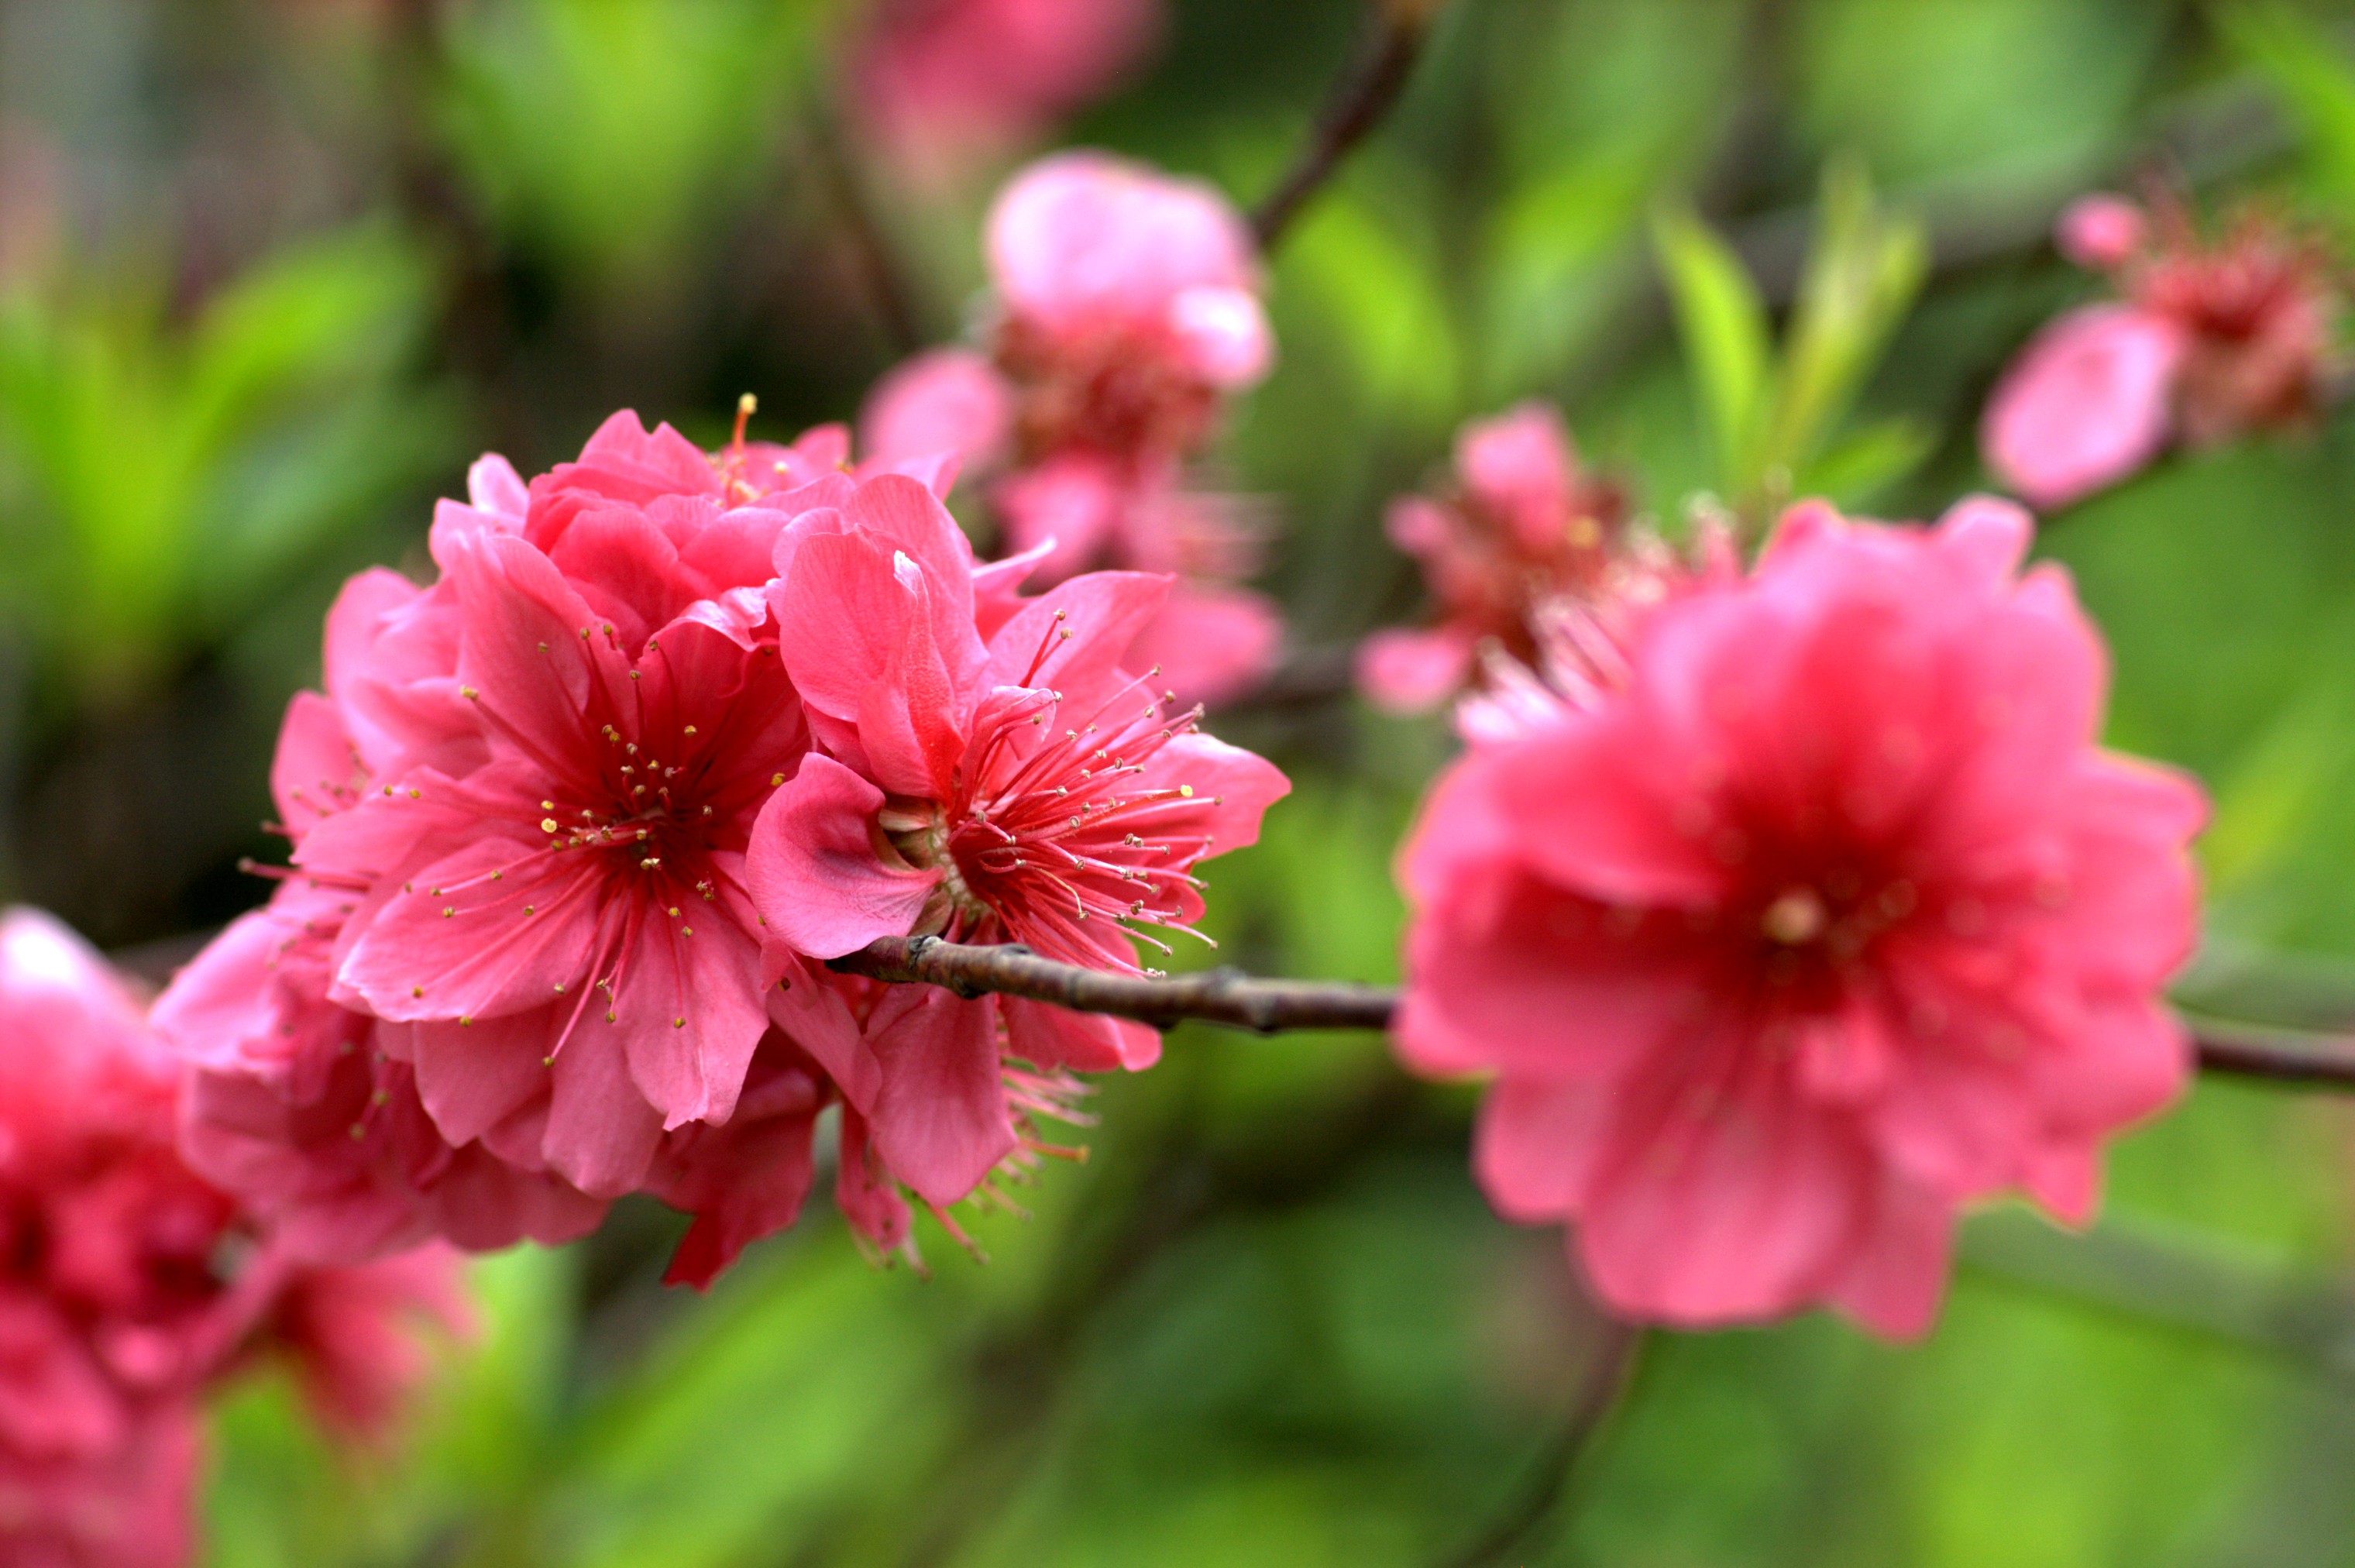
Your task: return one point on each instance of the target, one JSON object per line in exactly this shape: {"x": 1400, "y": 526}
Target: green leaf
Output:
{"x": 1864, "y": 461}
{"x": 2315, "y": 81}
{"x": 1723, "y": 324}
{"x": 1384, "y": 301}
{"x": 1862, "y": 272}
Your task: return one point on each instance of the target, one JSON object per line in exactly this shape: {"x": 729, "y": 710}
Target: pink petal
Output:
{"x": 2101, "y": 231}
{"x": 943, "y": 400}
{"x": 1212, "y": 644}
{"x": 1732, "y": 1213}
{"x": 494, "y": 487}
{"x": 1602, "y": 812}
{"x": 1222, "y": 334}
{"x": 1520, "y": 461}
{"x": 315, "y": 772}
{"x": 471, "y": 1077}
{"x": 1414, "y": 672}
{"x": 941, "y": 1122}
{"x": 815, "y": 874}
{"x": 1083, "y": 236}
{"x": 601, "y": 1133}
{"x": 864, "y": 1191}
{"x": 2084, "y": 405}
{"x": 522, "y": 649}
{"x": 1047, "y": 1036}
{"x": 689, "y": 1011}
{"x": 1506, "y": 976}
{"x": 1895, "y": 1275}
{"x": 1072, "y": 638}
{"x": 812, "y": 1010}
{"x": 458, "y": 943}
{"x": 1536, "y": 1145}
{"x": 1075, "y": 503}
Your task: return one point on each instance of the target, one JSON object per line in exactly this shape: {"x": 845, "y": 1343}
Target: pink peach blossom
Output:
{"x": 1826, "y": 919}
{"x": 512, "y": 973}
{"x": 1085, "y": 247}
{"x": 2101, "y": 231}
{"x": 2087, "y": 404}
{"x": 1127, "y": 308}
{"x": 557, "y": 940}
{"x": 1026, "y": 789}
{"x": 944, "y": 84}
{"x": 2216, "y": 337}
{"x": 133, "y": 1285}
{"x": 1524, "y": 526}
{"x": 356, "y": 1337}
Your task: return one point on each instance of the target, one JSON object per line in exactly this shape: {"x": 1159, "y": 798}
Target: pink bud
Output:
{"x": 2100, "y": 231}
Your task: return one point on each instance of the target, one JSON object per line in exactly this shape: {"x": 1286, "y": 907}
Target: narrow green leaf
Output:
{"x": 2315, "y": 81}
{"x": 1723, "y": 322}
{"x": 1865, "y": 460}
{"x": 1862, "y": 273}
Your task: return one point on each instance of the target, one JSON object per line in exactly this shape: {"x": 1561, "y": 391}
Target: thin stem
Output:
{"x": 1598, "y": 1395}
{"x": 2280, "y": 1056}
{"x": 1366, "y": 92}
{"x": 871, "y": 255}
{"x": 1220, "y": 996}
{"x": 1269, "y": 1007}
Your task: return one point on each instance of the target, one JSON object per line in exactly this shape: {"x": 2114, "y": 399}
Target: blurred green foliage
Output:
{"x": 1772, "y": 422}
{"x": 1757, "y": 251}
{"x": 614, "y": 133}
{"x": 163, "y": 477}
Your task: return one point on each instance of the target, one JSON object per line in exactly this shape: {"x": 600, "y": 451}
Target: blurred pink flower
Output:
{"x": 1825, "y": 918}
{"x": 944, "y": 85}
{"x": 132, "y": 1285}
{"x": 1025, "y": 789}
{"x": 2087, "y": 404}
{"x": 1096, "y": 257}
{"x": 130, "y": 1506}
{"x": 2216, "y": 337}
{"x": 1526, "y": 525}
{"x": 2101, "y": 231}
{"x": 1127, "y": 308}
{"x": 356, "y": 1337}
{"x": 945, "y": 400}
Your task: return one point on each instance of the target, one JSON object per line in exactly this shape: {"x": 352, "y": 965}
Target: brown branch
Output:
{"x": 1220, "y": 996}
{"x": 843, "y": 187}
{"x": 2279, "y": 1056}
{"x": 1366, "y": 92}
{"x": 1606, "y": 1377}
{"x": 1269, "y": 1007}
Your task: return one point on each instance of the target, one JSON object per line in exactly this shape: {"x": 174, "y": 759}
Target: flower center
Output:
{"x": 1796, "y": 916}
{"x": 920, "y": 832}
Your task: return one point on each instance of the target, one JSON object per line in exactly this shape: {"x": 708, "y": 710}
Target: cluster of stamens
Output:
{"x": 1050, "y": 828}
{"x": 653, "y": 814}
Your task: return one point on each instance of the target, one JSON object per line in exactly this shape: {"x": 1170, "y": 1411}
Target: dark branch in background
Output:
{"x": 1367, "y": 92}
{"x": 2279, "y": 1055}
{"x": 1240, "y": 1001}
{"x": 842, "y": 186}
{"x": 1504, "y": 1539}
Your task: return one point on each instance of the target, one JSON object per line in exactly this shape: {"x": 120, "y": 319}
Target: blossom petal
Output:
{"x": 814, "y": 873}
{"x": 941, "y": 1122}
{"x": 600, "y": 1133}
{"x": 1536, "y": 1146}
